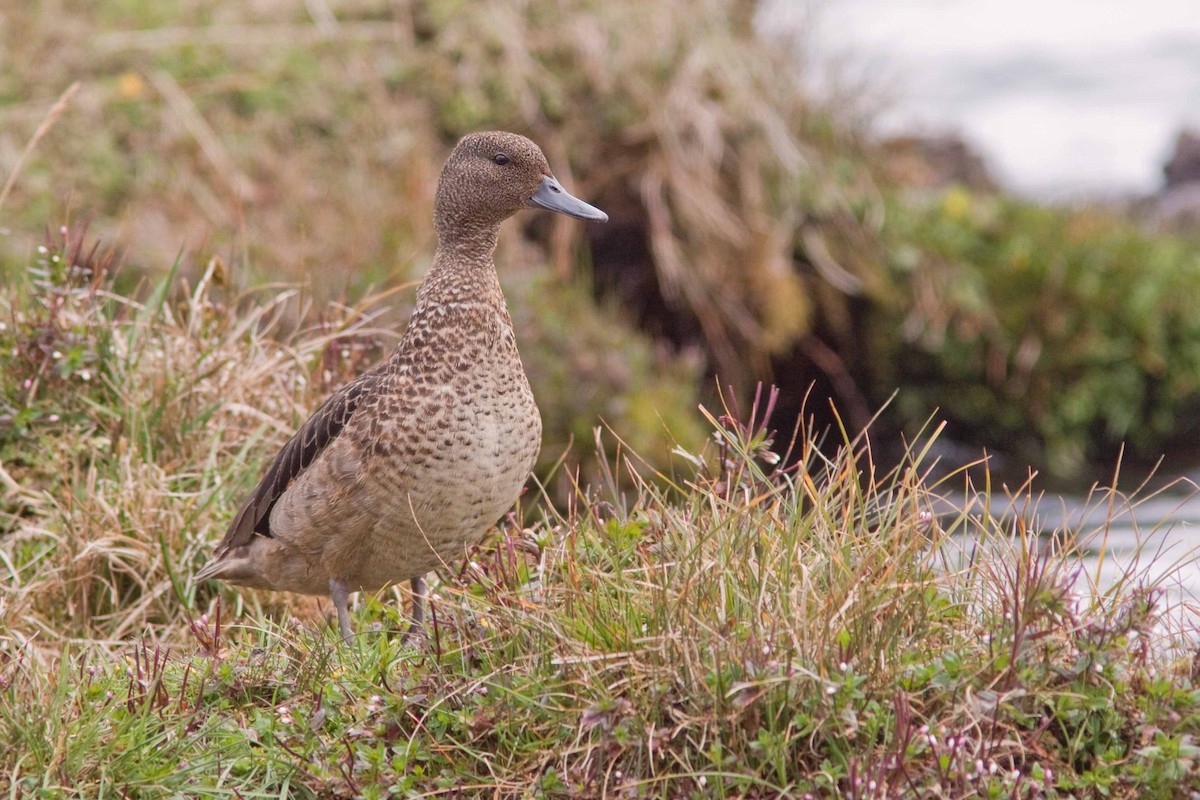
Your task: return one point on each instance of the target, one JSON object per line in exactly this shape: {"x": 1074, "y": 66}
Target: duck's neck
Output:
{"x": 463, "y": 273}
{"x": 460, "y": 298}
{"x": 463, "y": 251}
{"x": 468, "y": 242}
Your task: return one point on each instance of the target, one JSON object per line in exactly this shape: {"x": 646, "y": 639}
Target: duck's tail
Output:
{"x": 234, "y": 564}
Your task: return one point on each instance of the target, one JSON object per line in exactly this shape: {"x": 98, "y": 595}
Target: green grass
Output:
{"x": 734, "y": 626}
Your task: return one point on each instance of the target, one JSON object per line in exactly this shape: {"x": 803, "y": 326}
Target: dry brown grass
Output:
{"x": 129, "y": 456}
{"x": 131, "y": 424}
{"x": 296, "y": 141}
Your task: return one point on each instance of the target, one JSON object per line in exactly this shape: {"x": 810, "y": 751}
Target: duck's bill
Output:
{"x": 553, "y": 197}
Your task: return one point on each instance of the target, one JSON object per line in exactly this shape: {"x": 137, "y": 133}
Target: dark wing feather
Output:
{"x": 254, "y": 517}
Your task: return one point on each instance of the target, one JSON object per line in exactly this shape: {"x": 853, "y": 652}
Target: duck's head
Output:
{"x": 492, "y": 175}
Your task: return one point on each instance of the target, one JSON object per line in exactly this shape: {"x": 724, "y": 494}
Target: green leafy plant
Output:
{"x": 1061, "y": 333}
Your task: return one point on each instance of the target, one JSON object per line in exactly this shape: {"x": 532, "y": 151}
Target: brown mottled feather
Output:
{"x": 254, "y": 517}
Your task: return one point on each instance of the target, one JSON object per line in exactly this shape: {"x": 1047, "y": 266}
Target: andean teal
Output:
{"x": 400, "y": 471}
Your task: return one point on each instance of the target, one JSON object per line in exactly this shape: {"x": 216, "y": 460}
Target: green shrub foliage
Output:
{"x": 1061, "y": 332}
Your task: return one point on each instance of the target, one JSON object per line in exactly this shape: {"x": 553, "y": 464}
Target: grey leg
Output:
{"x": 341, "y": 600}
{"x": 418, "y": 615}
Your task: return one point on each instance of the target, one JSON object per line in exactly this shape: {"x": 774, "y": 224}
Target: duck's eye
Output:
{"x": 500, "y": 159}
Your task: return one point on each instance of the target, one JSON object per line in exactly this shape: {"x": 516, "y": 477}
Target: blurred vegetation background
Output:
{"x": 756, "y": 232}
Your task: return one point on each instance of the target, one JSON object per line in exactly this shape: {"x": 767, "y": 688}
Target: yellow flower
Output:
{"x": 956, "y": 203}
{"x": 131, "y": 85}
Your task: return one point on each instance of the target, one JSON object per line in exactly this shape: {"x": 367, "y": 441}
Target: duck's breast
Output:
{"x": 455, "y": 449}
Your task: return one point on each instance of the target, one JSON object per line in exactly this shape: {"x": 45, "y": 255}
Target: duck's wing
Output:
{"x": 322, "y": 428}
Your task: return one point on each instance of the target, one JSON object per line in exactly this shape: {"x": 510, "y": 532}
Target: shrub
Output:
{"x": 1056, "y": 333}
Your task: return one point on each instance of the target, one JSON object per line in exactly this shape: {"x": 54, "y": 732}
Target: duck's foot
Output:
{"x": 416, "y": 629}
{"x": 341, "y": 601}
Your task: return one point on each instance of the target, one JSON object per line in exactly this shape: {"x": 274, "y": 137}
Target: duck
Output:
{"x": 401, "y": 470}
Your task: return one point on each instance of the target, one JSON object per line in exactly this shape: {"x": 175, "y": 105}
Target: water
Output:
{"x": 1148, "y": 542}
{"x": 1064, "y": 98}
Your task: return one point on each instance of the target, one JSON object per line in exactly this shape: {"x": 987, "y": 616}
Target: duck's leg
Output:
{"x": 418, "y": 613}
{"x": 341, "y": 601}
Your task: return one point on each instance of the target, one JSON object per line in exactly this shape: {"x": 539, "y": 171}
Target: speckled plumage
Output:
{"x": 402, "y": 469}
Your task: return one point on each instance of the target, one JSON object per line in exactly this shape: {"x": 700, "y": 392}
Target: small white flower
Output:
{"x": 42, "y": 249}
{"x": 831, "y": 690}
{"x": 703, "y": 781}
{"x": 56, "y": 354}
{"x": 52, "y": 418}
{"x": 843, "y": 666}
{"x": 85, "y": 374}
